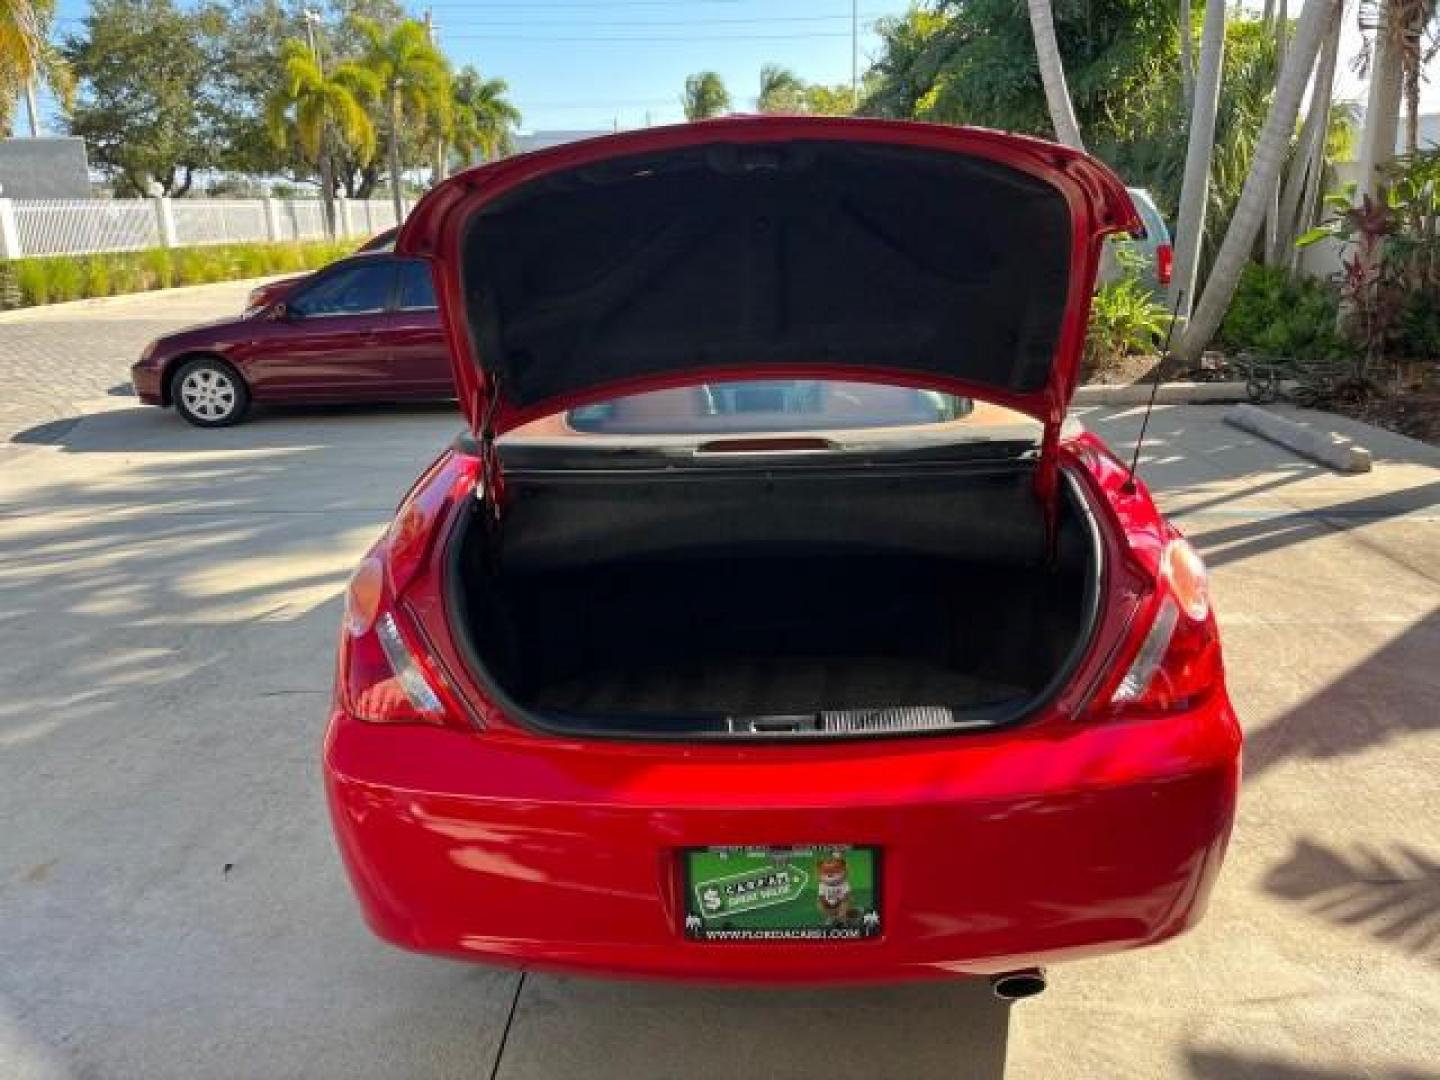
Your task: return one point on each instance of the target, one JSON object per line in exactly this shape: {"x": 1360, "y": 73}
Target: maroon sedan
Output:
{"x": 363, "y": 329}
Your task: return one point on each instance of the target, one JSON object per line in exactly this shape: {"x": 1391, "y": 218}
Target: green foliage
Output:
{"x": 53, "y": 279}
{"x": 482, "y": 117}
{"x": 705, "y": 96}
{"x": 1125, "y": 320}
{"x": 144, "y": 108}
{"x": 973, "y": 62}
{"x": 1279, "y": 314}
{"x": 1419, "y": 329}
{"x": 312, "y": 105}
{"x": 782, "y": 91}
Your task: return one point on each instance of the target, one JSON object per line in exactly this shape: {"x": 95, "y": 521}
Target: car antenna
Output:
{"x": 1129, "y": 484}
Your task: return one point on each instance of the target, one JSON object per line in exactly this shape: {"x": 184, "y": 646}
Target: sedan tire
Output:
{"x": 210, "y": 393}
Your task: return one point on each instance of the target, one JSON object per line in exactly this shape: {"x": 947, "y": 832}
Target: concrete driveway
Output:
{"x": 171, "y": 904}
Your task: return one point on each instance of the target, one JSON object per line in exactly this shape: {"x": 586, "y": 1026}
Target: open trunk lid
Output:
{"x": 950, "y": 258}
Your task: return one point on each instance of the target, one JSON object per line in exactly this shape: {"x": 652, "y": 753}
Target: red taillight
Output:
{"x": 387, "y": 671}
{"x": 1178, "y": 661}
{"x": 1164, "y": 263}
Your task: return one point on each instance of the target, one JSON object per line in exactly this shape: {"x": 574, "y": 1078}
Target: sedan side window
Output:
{"x": 417, "y": 289}
{"x": 352, "y": 291}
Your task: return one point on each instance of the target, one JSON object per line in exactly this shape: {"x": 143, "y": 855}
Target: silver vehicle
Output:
{"x": 1153, "y": 255}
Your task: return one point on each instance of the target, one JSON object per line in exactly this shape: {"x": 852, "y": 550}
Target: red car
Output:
{"x": 732, "y": 643}
{"x": 365, "y": 328}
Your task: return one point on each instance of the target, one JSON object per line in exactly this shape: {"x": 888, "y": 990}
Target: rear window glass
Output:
{"x": 728, "y": 408}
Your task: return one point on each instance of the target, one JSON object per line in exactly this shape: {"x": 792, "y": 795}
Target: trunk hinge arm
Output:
{"x": 1047, "y": 488}
{"x": 492, "y": 470}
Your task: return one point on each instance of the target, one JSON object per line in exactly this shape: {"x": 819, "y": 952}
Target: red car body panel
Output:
{"x": 394, "y": 355}
{"x": 1083, "y": 829}
{"x": 1074, "y": 834}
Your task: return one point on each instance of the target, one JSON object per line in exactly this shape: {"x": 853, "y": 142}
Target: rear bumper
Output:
{"x": 1002, "y": 851}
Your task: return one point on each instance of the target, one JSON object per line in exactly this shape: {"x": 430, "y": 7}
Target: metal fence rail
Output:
{"x": 32, "y": 227}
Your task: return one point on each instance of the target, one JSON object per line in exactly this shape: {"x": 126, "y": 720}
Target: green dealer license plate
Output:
{"x": 824, "y": 892}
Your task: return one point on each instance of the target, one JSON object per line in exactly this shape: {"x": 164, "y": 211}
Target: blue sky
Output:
{"x": 595, "y": 63}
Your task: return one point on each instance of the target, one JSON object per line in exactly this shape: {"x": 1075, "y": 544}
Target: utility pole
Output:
{"x": 440, "y": 135}
{"x": 854, "y": 54}
{"x": 32, "y": 109}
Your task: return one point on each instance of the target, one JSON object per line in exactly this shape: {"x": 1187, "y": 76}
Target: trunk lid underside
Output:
{"x": 949, "y": 258}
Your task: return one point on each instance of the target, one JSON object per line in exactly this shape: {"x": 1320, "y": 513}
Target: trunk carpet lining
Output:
{"x": 767, "y": 685}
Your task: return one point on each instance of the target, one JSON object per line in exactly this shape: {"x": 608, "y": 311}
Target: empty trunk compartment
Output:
{"x": 760, "y": 599}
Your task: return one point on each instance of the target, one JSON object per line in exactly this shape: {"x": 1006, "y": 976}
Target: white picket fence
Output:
{"x": 88, "y": 226}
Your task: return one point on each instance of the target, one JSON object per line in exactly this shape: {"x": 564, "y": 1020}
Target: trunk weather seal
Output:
{"x": 667, "y": 729}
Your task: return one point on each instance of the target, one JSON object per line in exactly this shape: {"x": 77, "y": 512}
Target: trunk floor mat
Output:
{"x": 765, "y": 686}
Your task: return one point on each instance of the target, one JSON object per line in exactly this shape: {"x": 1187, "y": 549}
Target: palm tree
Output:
{"x": 1195, "y": 188}
{"x": 414, "y": 84}
{"x": 312, "y": 106}
{"x": 26, "y": 56}
{"x": 1271, "y": 150}
{"x": 1301, "y": 191}
{"x": 781, "y": 90}
{"x": 705, "y": 96}
{"x": 1407, "y": 31}
{"x": 1052, "y": 74}
{"x": 483, "y": 118}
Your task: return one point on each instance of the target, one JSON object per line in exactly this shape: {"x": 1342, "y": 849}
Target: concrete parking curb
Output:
{"x": 1170, "y": 393}
{"x": 1325, "y": 447}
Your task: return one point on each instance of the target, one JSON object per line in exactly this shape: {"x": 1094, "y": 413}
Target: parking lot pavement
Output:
{"x": 171, "y": 904}
{"x": 53, "y": 360}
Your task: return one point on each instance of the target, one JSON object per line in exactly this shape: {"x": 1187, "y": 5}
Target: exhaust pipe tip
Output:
{"x": 1018, "y": 985}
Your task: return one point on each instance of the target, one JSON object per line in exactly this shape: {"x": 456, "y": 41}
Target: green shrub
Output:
{"x": 1276, "y": 313}
{"x": 51, "y": 279}
{"x": 1419, "y": 330}
{"x": 1125, "y": 320}
{"x": 95, "y": 277}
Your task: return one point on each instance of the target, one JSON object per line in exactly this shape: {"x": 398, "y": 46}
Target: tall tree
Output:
{"x": 1402, "y": 39}
{"x": 1195, "y": 189}
{"x": 143, "y": 91}
{"x": 415, "y": 86}
{"x": 781, "y": 90}
{"x": 705, "y": 96}
{"x": 484, "y": 119}
{"x": 1271, "y": 151}
{"x": 314, "y": 108}
{"x": 27, "y": 56}
{"x": 1052, "y": 74}
{"x": 1301, "y": 188}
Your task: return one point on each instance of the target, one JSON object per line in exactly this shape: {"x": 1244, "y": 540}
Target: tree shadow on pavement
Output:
{"x": 1229, "y": 1065}
{"x": 1394, "y": 895}
{"x": 151, "y": 430}
{"x": 1392, "y": 694}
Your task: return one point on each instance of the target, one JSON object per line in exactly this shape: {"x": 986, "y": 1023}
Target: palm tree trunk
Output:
{"x": 1052, "y": 74}
{"x": 394, "y": 153}
{"x": 1310, "y": 153}
{"x": 1270, "y": 151}
{"x": 327, "y": 189}
{"x": 1273, "y": 226}
{"x": 1382, "y": 108}
{"x": 1195, "y": 189}
{"x": 1187, "y": 56}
